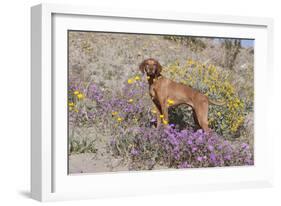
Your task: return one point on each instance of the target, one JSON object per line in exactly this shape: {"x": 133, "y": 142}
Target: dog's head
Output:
{"x": 151, "y": 67}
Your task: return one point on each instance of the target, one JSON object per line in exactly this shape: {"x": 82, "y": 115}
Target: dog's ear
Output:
{"x": 159, "y": 68}
{"x": 142, "y": 67}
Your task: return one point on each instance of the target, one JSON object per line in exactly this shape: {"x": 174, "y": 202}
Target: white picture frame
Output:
{"x": 49, "y": 179}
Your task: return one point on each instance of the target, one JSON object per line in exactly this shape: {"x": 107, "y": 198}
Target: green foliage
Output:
{"x": 84, "y": 146}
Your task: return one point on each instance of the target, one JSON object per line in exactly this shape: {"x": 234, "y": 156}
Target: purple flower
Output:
{"x": 213, "y": 157}
{"x": 194, "y": 149}
{"x": 134, "y": 152}
{"x": 245, "y": 146}
{"x": 176, "y": 154}
{"x": 200, "y": 139}
{"x": 227, "y": 157}
{"x": 199, "y": 158}
{"x": 210, "y": 148}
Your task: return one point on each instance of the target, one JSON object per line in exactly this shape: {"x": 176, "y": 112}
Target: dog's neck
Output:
{"x": 152, "y": 79}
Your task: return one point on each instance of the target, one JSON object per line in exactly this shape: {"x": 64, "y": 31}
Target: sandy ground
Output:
{"x": 101, "y": 161}
{"x": 90, "y": 163}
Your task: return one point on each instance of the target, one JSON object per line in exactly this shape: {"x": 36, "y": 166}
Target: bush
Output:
{"x": 84, "y": 146}
{"x": 85, "y": 103}
{"x": 214, "y": 83}
{"x": 147, "y": 147}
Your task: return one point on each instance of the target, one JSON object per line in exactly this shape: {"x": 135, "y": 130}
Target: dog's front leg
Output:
{"x": 165, "y": 113}
{"x": 158, "y": 113}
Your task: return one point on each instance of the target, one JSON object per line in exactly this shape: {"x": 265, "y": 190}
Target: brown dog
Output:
{"x": 165, "y": 92}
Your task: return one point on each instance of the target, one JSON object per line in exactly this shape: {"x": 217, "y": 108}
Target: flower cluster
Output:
{"x": 85, "y": 103}
{"x": 148, "y": 147}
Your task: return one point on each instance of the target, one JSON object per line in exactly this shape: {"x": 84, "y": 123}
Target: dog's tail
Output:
{"x": 216, "y": 103}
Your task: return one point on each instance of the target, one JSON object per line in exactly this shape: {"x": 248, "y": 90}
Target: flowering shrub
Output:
{"x": 226, "y": 119}
{"x": 85, "y": 103}
{"x": 131, "y": 106}
{"x": 127, "y": 117}
{"x": 147, "y": 147}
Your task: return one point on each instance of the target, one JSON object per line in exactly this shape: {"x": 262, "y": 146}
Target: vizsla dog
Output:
{"x": 164, "y": 91}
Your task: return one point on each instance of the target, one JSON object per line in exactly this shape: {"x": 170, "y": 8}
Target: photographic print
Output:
{"x": 149, "y": 102}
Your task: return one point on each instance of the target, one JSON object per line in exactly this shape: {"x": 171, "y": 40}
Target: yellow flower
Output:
{"x": 219, "y": 114}
{"x": 170, "y": 102}
{"x": 70, "y": 108}
{"x": 80, "y": 96}
{"x": 190, "y": 61}
{"x": 161, "y": 116}
{"x": 137, "y": 78}
{"x": 165, "y": 122}
{"x": 114, "y": 113}
{"x": 148, "y": 77}
{"x": 71, "y": 104}
{"x": 130, "y": 81}
{"x": 130, "y": 100}
{"x": 76, "y": 110}
{"x": 76, "y": 92}
{"x": 233, "y": 128}
{"x": 119, "y": 119}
